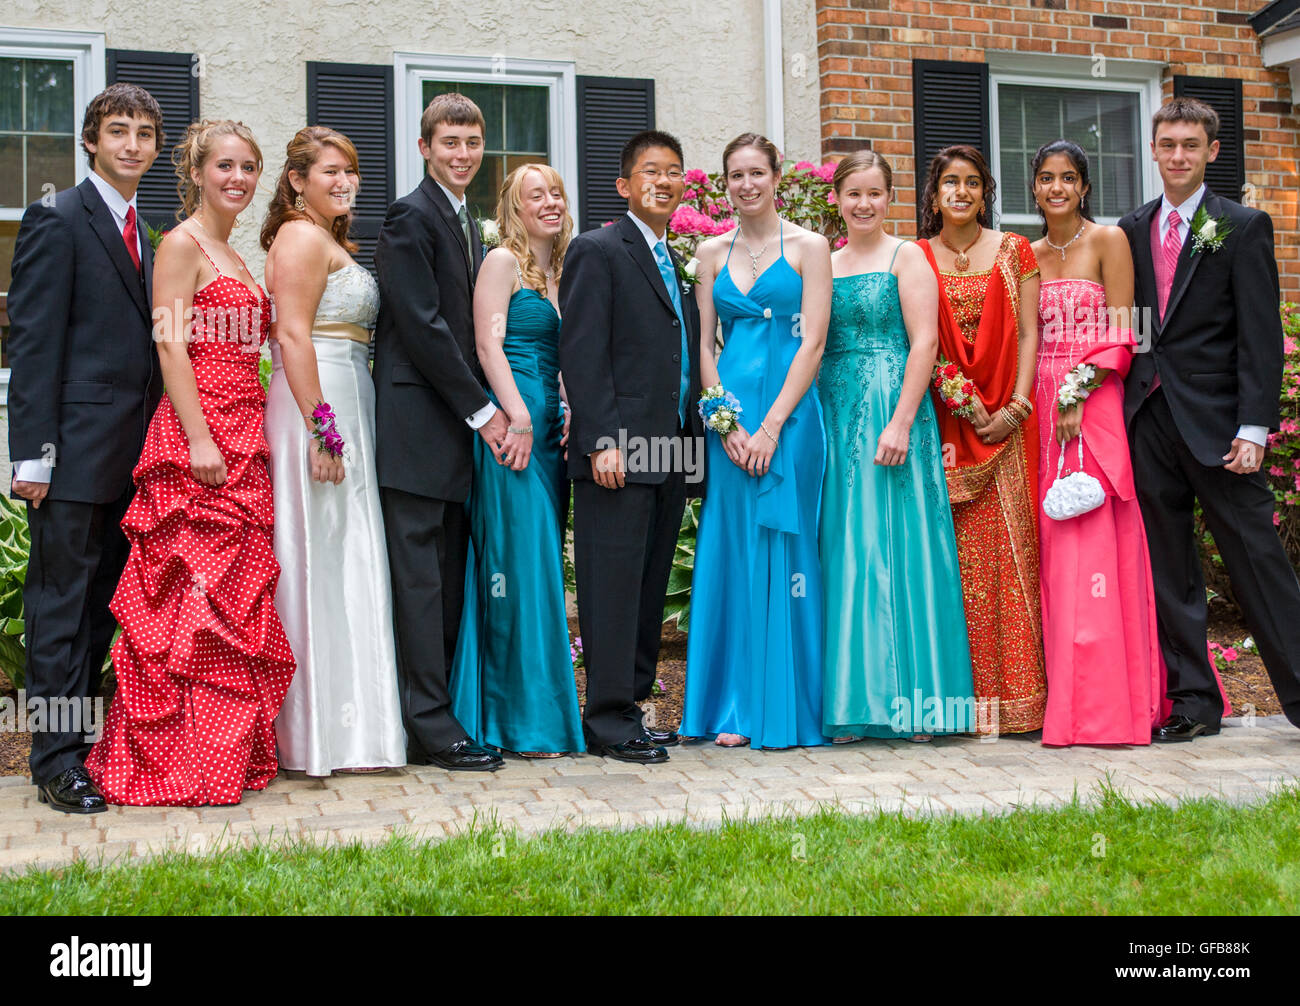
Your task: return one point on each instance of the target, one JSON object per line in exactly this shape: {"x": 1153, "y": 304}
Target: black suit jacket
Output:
{"x": 620, "y": 349}
{"x": 84, "y": 371}
{"x": 426, "y": 373}
{"x": 1218, "y": 350}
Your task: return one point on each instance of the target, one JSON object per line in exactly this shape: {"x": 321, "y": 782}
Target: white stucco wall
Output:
{"x": 705, "y": 56}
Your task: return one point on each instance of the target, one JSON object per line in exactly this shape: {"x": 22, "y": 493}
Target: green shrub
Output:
{"x": 15, "y": 544}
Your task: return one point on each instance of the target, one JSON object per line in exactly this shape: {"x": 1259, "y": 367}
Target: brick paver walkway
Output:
{"x": 701, "y": 784}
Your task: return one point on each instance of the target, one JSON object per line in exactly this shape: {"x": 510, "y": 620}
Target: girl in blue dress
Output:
{"x": 512, "y": 681}
{"x": 897, "y": 659}
{"x": 754, "y": 654}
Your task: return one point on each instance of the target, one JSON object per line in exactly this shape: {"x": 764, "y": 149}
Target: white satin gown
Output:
{"x": 334, "y": 595}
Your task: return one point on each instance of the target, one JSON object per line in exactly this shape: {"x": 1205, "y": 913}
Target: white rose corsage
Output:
{"x": 1208, "y": 232}
{"x": 1079, "y": 383}
{"x": 688, "y": 272}
{"x": 720, "y": 410}
{"x": 487, "y": 230}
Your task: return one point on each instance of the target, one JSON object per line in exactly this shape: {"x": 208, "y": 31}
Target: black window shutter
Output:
{"x": 1226, "y": 175}
{"x": 950, "y": 104}
{"x": 357, "y": 100}
{"x": 610, "y": 111}
{"x": 172, "y": 79}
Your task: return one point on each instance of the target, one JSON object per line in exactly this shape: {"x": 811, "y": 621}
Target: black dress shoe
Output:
{"x": 663, "y": 738}
{"x": 73, "y": 792}
{"x": 467, "y": 756}
{"x": 1180, "y": 728}
{"x": 639, "y": 751}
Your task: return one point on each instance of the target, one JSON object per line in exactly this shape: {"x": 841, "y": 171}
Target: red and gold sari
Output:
{"x": 993, "y": 490}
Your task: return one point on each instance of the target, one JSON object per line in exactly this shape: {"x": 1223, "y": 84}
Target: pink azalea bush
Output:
{"x": 1284, "y": 446}
{"x": 804, "y": 196}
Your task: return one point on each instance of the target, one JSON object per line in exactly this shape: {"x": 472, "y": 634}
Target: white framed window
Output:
{"x": 529, "y": 105}
{"x": 47, "y": 79}
{"x": 1104, "y": 105}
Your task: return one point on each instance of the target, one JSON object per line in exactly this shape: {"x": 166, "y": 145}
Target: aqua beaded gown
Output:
{"x": 897, "y": 657}
{"x": 754, "y": 651}
{"x": 512, "y": 680}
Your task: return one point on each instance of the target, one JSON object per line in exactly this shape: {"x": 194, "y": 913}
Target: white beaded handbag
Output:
{"x": 1073, "y": 494}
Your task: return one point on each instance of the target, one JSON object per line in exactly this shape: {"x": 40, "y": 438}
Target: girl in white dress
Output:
{"x": 342, "y": 712}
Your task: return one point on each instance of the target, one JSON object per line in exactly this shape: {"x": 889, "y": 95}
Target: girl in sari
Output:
{"x": 984, "y": 387}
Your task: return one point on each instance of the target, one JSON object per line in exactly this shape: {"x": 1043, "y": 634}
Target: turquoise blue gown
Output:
{"x": 897, "y": 658}
{"x": 754, "y": 653}
{"x": 512, "y": 680}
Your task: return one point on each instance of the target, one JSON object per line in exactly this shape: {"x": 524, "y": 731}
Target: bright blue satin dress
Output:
{"x": 512, "y": 681}
{"x": 897, "y": 658}
{"x": 754, "y": 652}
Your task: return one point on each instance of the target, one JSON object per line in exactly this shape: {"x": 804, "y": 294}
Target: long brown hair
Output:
{"x": 515, "y": 237}
{"x": 931, "y": 218}
{"x": 194, "y": 150}
{"x": 303, "y": 151}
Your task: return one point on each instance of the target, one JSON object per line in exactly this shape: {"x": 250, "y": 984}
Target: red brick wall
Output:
{"x": 865, "y": 49}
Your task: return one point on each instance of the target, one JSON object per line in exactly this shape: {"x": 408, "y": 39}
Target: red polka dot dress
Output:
{"x": 203, "y": 663}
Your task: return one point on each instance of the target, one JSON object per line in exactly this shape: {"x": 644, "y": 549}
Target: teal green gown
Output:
{"x": 512, "y": 680}
{"x": 897, "y": 661}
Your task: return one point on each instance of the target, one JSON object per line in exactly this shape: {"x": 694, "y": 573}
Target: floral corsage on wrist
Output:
{"x": 1208, "y": 232}
{"x": 956, "y": 390}
{"x": 326, "y": 432}
{"x": 720, "y": 410}
{"x": 1079, "y": 383}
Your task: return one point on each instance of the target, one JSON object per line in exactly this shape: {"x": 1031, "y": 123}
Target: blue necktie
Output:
{"x": 669, "y": 274}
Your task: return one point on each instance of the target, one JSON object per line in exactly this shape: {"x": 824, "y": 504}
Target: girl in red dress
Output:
{"x": 202, "y": 663}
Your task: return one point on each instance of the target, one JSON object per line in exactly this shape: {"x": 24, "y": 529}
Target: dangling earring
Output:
{"x": 299, "y": 203}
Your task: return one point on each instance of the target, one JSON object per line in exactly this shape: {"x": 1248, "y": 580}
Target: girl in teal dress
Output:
{"x": 897, "y": 658}
{"x": 754, "y": 655}
{"x": 512, "y": 681}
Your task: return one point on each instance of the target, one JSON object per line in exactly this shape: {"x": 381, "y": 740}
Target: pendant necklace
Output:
{"x": 960, "y": 260}
{"x": 1061, "y": 248}
{"x": 753, "y": 259}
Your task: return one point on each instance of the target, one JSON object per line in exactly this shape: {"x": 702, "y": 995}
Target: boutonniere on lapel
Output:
{"x": 687, "y": 273}
{"x": 488, "y": 233}
{"x": 156, "y": 234}
{"x": 1208, "y": 232}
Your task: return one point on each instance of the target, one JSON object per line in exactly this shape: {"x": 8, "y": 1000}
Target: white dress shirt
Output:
{"x": 39, "y": 470}
{"x": 651, "y": 238}
{"x": 1186, "y": 210}
{"x": 488, "y": 411}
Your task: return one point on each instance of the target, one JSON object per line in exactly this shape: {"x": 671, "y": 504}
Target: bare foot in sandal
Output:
{"x": 731, "y": 741}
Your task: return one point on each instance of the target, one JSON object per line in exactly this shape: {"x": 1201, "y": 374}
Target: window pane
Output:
{"x": 526, "y": 109}
{"x": 49, "y": 96}
{"x": 11, "y": 94}
{"x": 1014, "y": 188}
{"x": 11, "y": 172}
{"x": 1104, "y": 123}
{"x": 488, "y": 97}
{"x": 484, "y": 189}
{"x": 51, "y": 161}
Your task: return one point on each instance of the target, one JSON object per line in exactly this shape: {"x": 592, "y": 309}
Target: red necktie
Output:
{"x": 129, "y": 236}
{"x": 1173, "y": 244}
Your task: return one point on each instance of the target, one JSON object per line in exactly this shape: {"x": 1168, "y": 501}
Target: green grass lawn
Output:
{"x": 1114, "y": 857}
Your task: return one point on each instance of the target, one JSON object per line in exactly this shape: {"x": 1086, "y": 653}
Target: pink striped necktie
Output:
{"x": 1173, "y": 244}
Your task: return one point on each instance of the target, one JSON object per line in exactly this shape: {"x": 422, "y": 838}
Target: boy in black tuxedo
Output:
{"x": 84, "y": 385}
{"x": 629, "y": 353}
{"x": 429, "y": 400}
{"x": 1199, "y": 407}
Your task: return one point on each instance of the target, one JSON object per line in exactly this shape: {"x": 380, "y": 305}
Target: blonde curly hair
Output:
{"x": 194, "y": 150}
{"x": 515, "y": 237}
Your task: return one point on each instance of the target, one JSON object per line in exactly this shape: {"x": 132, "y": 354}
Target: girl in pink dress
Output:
{"x": 1105, "y": 678}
